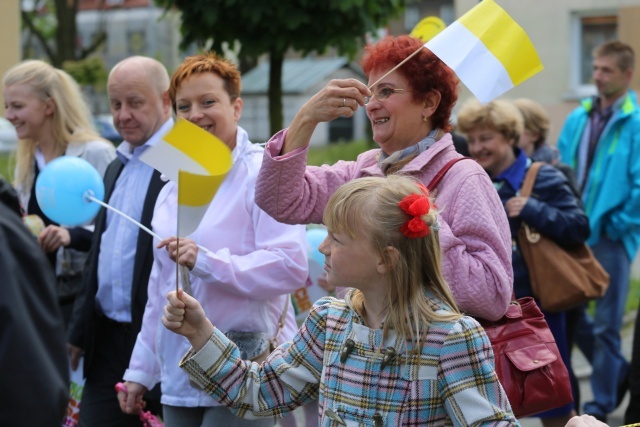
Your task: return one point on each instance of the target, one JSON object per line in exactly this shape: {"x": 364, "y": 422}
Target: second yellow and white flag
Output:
{"x": 488, "y": 50}
{"x": 198, "y": 162}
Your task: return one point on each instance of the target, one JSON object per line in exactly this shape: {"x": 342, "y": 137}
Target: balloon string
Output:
{"x": 396, "y": 67}
{"x": 101, "y": 203}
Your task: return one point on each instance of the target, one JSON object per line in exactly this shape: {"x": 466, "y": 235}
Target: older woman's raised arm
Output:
{"x": 294, "y": 193}
{"x": 337, "y": 98}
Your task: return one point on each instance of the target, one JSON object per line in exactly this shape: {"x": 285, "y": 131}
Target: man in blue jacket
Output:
{"x": 601, "y": 141}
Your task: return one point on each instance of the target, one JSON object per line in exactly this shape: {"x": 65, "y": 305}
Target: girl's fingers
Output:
{"x": 173, "y": 314}
{"x": 172, "y": 318}
{"x": 175, "y": 299}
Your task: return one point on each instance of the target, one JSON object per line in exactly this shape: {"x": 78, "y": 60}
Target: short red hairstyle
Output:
{"x": 207, "y": 63}
{"x": 425, "y": 73}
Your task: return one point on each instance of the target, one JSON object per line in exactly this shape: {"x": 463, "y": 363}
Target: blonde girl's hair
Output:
{"x": 368, "y": 208}
{"x": 499, "y": 115}
{"x": 72, "y": 121}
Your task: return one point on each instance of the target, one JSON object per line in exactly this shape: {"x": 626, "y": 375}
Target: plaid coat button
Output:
{"x": 389, "y": 356}
{"x": 331, "y": 414}
{"x": 346, "y": 349}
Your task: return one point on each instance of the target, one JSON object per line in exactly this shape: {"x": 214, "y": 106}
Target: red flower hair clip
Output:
{"x": 416, "y": 206}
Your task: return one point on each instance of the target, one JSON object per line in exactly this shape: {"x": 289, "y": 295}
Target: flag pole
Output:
{"x": 124, "y": 215}
{"x": 177, "y": 246}
{"x": 177, "y": 265}
{"x": 101, "y": 203}
{"x": 397, "y": 66}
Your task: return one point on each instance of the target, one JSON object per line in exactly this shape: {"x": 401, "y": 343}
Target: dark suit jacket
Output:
{"x": 82, "y": 328}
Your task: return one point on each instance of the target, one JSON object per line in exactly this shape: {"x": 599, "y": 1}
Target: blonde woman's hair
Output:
{"x": 72, "y": 121}
{"x": 536, "y": 119}
{"x": 368, "y": 208}
{"x": 500, "y": 116}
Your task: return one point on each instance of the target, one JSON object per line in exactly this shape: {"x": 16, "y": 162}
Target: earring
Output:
{"x": 424, "y": 119}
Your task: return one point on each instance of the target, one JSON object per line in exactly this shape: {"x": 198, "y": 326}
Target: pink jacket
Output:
{"x": 474, "y": 234}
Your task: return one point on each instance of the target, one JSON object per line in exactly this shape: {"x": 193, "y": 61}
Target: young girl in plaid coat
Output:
{"x": 395, "y": 352}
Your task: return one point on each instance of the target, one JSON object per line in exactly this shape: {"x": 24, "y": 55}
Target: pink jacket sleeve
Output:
{"x": 293, "y": 193}
{"x": 476, "y": 242}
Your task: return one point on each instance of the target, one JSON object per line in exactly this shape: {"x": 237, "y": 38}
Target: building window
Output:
{"x": 136, "y": 41}
{"x": 595, "y": 30}
{"x": 588, "y": 31}
{"x": 341, "y": 129}
{"x": 411, "y": 17}
{"x": 447, "y": 13}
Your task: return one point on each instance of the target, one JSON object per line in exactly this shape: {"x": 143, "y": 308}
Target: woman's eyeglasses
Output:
{"x": 383, "y": 93}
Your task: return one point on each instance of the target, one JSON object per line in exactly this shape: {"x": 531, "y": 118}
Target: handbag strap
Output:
{"x": 441, "y": 173}
{"x": 525, "y": 191}
{"x": 530, "y": 179}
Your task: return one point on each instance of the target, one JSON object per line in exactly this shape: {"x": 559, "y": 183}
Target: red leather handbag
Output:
{"x": 527, "y": 359}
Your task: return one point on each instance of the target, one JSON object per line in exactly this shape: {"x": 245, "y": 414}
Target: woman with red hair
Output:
{"x": 241, "y": 263}
{"x": 409, "y": 110}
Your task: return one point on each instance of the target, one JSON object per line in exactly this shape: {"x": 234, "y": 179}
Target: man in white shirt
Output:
{"x": 108, "y": 317}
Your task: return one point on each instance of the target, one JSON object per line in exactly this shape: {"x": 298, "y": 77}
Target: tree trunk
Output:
{"x": 246, "y": 63}
{"x": 275, "y": 91}
{"x": 67, "y": 33}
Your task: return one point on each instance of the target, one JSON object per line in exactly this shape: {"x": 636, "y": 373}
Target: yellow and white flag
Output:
{"x": 488, "y": 50}
{"x": 195, "y": 192}
{"x": 198, "y": 162}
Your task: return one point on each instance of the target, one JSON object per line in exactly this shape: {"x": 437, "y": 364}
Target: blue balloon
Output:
{"x": 315, "y": 236}
{"x": 61, "y": 188}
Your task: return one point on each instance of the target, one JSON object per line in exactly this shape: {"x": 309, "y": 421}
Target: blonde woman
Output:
{"x": 51, "y": 118}
{"x": 533, "y": 139}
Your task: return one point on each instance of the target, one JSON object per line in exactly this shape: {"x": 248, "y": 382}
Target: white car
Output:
{"x": 8, "y": 136}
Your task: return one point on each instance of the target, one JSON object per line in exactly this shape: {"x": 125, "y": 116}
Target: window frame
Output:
{"x": 578, "y": 89}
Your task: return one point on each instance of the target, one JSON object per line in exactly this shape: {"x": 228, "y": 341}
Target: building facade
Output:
{"x": 564, "y": 33}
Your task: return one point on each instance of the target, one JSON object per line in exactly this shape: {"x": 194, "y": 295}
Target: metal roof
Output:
{"x": 298, "y": 75}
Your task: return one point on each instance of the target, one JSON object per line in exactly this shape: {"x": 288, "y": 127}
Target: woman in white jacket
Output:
{"x": 243, "y": 278}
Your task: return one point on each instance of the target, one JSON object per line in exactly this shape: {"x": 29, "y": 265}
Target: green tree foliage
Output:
{"x": 53, "y": 24}
{"x": 273, "y": 27}
{"x": 87, "y": 72}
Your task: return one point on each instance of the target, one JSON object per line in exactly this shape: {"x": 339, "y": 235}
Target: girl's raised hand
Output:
{"x": 184, "y": 315}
